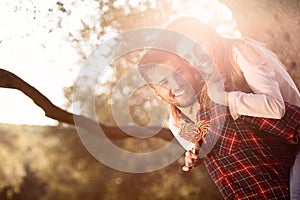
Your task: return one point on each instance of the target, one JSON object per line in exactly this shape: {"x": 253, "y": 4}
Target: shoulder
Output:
{"x": 248, "y": 52}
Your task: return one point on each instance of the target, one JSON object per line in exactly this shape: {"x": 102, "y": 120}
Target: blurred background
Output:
{"x": 46, "y": 43}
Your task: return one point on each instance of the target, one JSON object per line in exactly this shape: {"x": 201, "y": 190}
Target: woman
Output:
{"x": 247, "y": 160}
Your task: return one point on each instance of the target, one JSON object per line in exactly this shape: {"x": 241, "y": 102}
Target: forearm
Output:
{"x": 255, "y": 105}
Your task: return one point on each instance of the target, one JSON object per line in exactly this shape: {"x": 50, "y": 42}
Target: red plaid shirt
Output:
{"x": 251, "y": 157}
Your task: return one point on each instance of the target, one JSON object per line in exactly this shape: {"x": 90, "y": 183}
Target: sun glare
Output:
{"x": 38, "y": 56}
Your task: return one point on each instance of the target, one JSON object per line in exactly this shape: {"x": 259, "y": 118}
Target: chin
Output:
{"x": 186, "y": 102}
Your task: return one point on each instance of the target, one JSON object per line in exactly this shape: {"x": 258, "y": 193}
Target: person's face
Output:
{"x": 175, "y": 81}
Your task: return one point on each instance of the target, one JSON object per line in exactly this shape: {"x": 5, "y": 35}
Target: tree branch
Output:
{"x": 11, "y": 81}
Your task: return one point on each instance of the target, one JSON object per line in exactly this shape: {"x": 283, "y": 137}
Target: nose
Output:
{"x": 174, "y": 82}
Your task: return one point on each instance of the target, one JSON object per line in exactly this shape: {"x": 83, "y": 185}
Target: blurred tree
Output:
{"x": 275, "y": 23}
{"x": 57, "y": 166}
{"x": 53, "y": 159}
{"x": 12, "y": 169}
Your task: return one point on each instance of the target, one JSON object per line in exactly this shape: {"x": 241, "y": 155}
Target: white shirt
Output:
{"x": 187, "y": 145}
{"x": 268, "y": 79}
{"x": 191, "y": 113}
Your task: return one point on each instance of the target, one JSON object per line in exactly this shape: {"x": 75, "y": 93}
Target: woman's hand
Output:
{"x": 191, "y": 159}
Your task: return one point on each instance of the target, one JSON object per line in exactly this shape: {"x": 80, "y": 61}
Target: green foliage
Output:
{"x": 63, "y": 169}
{"x": 112, "y": 18}
{"x": 51, "y": 162}
{"x": 12, "y": 169}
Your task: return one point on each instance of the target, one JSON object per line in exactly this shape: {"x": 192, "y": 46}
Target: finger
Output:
{"x": 191, "y": 155}
{"x": 191, "y": 162}
{"x": 190, "y": 158}
{"x": 194, "y": 156}
{"x": 185, "y": 168}
{"x": 188, "y": 153}
{"x": 188, "y": 161}
{"x": 196, "y": 149}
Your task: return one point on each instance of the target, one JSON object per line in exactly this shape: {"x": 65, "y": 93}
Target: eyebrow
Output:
{"x": 161, "y": 82}
{"x": 179, "y": 70}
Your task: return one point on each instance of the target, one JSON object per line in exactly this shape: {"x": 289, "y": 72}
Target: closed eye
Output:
{"x": 179, "y": 70}
{"x": 163, "y": 82}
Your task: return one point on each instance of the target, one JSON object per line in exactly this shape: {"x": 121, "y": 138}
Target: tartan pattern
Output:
{"x": 250, "y": 159}
{"x": 287, "y": 127}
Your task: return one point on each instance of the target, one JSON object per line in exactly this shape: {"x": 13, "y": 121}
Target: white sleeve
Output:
{"x": 187, "y": 145}
{"x": 266, "y": 99}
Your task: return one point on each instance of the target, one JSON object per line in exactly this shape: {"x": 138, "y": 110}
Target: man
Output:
{"x": 247, "y": 157}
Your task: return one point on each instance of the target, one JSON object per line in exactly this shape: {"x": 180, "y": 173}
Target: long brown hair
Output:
{"x": 219, "y": 49}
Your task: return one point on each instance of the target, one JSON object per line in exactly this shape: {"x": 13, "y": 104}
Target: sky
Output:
{"x": 46, "y": 60}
